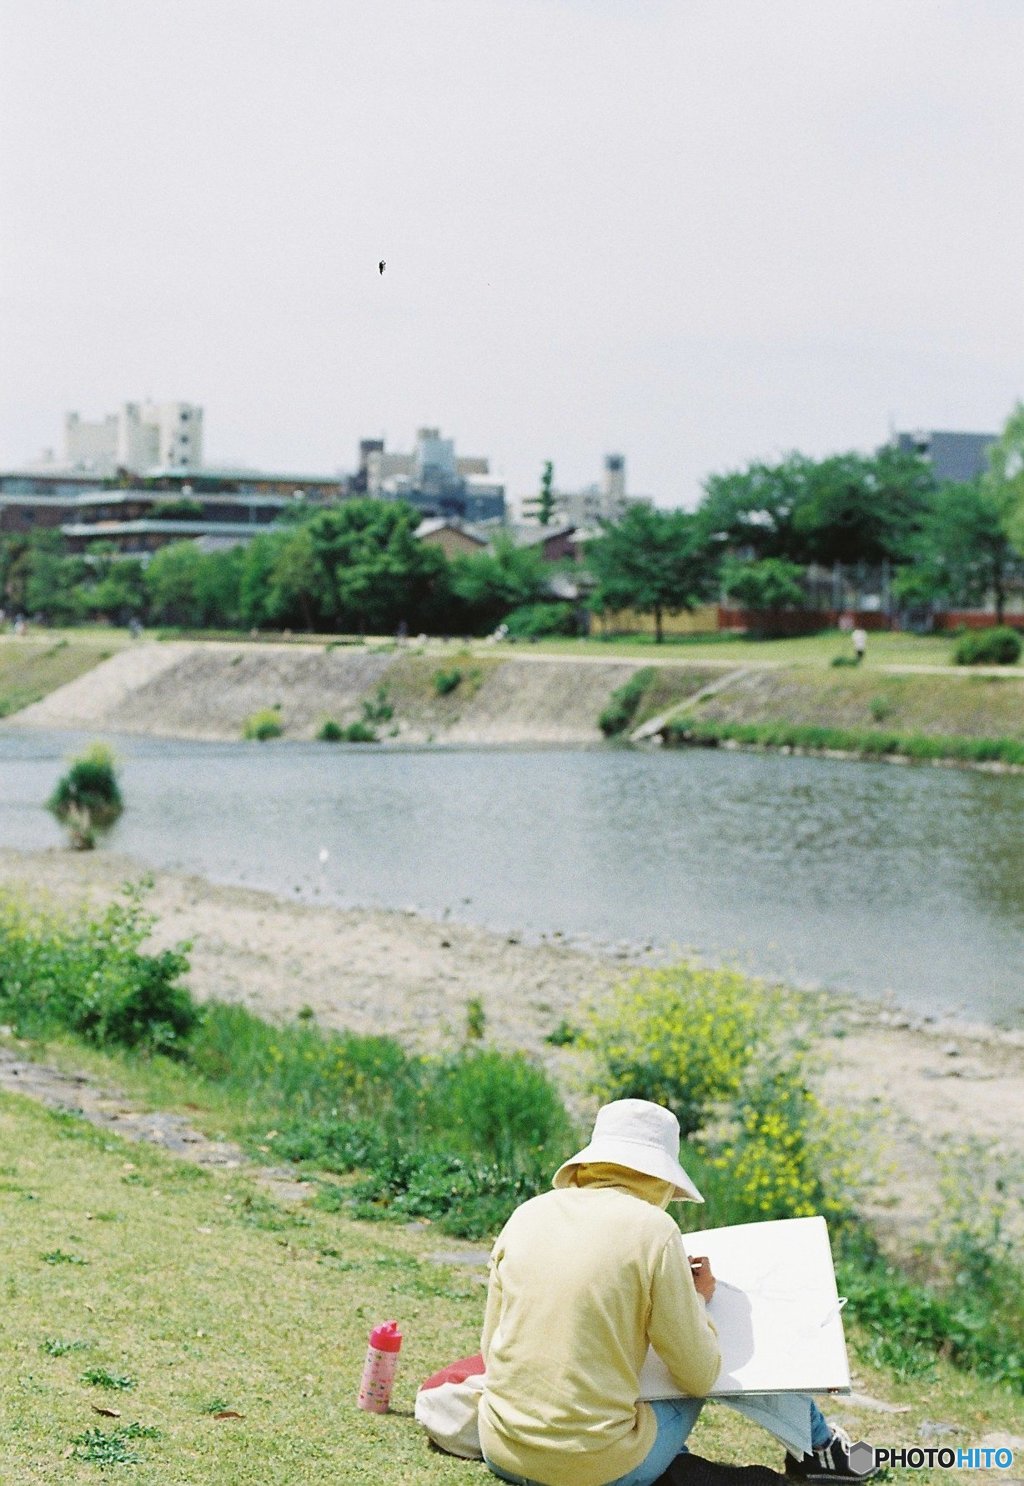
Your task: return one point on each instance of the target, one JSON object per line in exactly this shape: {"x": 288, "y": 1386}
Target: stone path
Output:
{"x": 74, "y": 1093}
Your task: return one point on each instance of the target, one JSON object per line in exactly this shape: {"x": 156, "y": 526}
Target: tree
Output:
{"x": 769, "y": 583}
{"x": 848, "y": 508}
{"x": 542, "y": 505}
{"x": 1003, "y": 482}
{"x": 172, "y": 584}
{"x": 964, "y": 552}
{"x": 218, "y": 588}
{"x": 489, "y": 585}
{"x": 13, "y": 559}
{"x": 255, "y": 581}
{"x": 114, "y": 587}
{"x": 377, "y": 574}
{"x": 652, "y": 561}
{"x": 753, "y": 509}
{"x": 52, "y": 578}
{"x": 858, "y": 508}
{"x": 299, "y": 582}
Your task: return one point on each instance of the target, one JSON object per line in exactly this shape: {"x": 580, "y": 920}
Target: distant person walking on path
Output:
{"x": 860, "y": 643}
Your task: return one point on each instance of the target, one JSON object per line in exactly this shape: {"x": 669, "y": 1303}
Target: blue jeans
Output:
{"x": 675, "y": 1419}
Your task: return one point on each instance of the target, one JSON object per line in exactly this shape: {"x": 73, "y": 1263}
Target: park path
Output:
{"x": 109, "y": 1109}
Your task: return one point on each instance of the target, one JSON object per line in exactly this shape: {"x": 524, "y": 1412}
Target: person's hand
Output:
{"x": 703, "y": 1279}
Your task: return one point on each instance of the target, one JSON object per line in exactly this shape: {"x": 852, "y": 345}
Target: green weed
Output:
{"x": 476, "y": 1019}
{"x": 262, "y": 725}
{"x": 378, "y": 708}
{"x": 58, "y": 1256}
{"x": 102, "y": 1377}
{"x": 624, "y": 703}
{"x": 54, "y": 1347}
{"x": 113, "y": 1446}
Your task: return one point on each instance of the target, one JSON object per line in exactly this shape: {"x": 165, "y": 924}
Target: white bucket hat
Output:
{"x": 641, "y": 1136}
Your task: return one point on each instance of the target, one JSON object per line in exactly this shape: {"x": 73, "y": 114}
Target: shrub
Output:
{"x": 447, "y": 681}
{"x": 684, "y": 1037}
{"x": 330, "y": 731}
{"x": 988, "y": 647}
{"x": 378, "y": 708}
{"x": 87, "y": 798}
{"x": 90, "y": 976}
{"x": 358, "y": 732}
{"x": 624, "y": 702}
{"x": 465, "y": 1197}
{"x": 783, "y": 1156}
{"x": 498, "y": 1105}
{"x": 536, "y": 621}
{"x": 259, "y": 726}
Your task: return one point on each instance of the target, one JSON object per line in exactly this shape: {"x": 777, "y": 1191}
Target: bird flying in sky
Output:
{"x": 382, "y": 265}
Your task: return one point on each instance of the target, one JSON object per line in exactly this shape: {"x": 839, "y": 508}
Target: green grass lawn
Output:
{"x": 33, "y": 665}
{"x": 806, "y": 650}
{"x": 190, "y": 1293}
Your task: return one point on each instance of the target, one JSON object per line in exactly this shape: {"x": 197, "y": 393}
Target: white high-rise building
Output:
{"x": 140, "y": 436}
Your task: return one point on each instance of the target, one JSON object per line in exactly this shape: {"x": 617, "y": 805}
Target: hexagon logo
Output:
{"x": 862, "y": 1457}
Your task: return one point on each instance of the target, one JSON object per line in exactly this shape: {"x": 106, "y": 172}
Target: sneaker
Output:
{"x": 836, "y": 1461}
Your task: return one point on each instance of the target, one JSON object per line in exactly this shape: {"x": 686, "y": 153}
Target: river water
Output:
{"x": 890, "y": 882}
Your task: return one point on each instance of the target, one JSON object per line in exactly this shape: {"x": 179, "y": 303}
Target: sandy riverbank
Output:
{"x": 928, "y": 1085}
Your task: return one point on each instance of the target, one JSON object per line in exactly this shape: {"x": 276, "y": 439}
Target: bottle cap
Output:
{"x": 386, "y": 1337}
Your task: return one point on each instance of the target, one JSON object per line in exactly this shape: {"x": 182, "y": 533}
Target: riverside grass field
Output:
{"x": 134, "y": 1273}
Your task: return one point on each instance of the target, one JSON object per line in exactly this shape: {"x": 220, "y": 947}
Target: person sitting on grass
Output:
{"x": 582, "y": 1279}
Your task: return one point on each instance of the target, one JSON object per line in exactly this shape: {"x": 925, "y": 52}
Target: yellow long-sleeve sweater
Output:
{"x": 581, "y": 1280}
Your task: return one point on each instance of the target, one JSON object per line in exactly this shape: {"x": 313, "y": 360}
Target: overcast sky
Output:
{"x": 697, "y": 232}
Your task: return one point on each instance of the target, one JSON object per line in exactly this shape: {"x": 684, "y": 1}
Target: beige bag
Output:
{"x": 446, "y": 1406}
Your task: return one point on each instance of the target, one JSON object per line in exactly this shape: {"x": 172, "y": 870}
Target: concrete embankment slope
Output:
{"x": 208, "y": 690}
{"x": 448, "y": 694}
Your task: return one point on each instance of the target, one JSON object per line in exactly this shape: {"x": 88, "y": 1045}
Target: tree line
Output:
{"x": 352, "y": 568}
{"x": 757, "y": 531}
{"x": 358, "y": 567}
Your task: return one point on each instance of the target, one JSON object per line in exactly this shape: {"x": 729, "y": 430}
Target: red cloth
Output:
{"x": 455, "y": 1372}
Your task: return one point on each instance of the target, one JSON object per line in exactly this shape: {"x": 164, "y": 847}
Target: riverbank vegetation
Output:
{"x": 457, "y": 1138}
{"x": 974, "y": 718}
{"x": 852, "y": 742}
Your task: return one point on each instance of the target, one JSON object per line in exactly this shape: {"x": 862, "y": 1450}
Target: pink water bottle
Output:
{"x": 379, "y": 1368}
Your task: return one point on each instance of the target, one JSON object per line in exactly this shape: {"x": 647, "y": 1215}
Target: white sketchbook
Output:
{"x": 776, "y": 1309}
